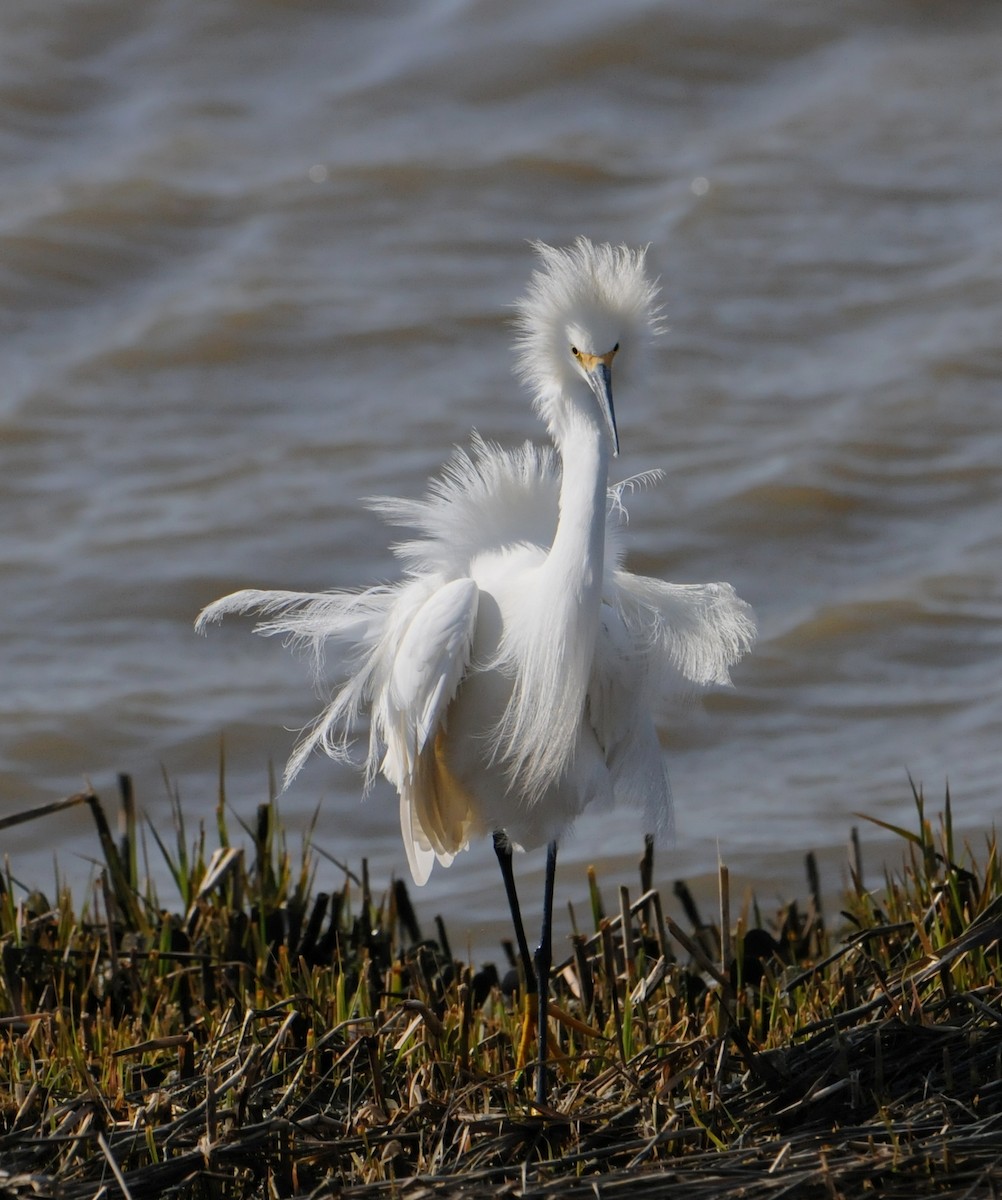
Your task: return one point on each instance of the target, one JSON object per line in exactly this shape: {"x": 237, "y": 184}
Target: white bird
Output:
{"x": 511, "y": 676}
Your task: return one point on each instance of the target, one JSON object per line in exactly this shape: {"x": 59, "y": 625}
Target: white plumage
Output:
{"x": 511, "y": 676}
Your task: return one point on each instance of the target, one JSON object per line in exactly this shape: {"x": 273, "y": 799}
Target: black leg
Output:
{"x": 503, "y": 851}
{"x": 544, "y": 960}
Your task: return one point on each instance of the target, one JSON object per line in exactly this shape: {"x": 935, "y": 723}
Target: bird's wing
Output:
{"x": 428, "y": 664}
{"x": 401, "y": 653}
{"x": 652, "y": 633}
{"x": 698, "y": 630}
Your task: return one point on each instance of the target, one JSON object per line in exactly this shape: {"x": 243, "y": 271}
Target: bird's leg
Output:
{"x": 503, "y": 850}
{"x": 544, "y": 960}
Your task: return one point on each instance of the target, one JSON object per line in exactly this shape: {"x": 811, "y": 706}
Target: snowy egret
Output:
{"x": 511, "y": 675}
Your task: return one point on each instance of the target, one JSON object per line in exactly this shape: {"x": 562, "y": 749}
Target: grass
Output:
{"x": 274, "y": 1039}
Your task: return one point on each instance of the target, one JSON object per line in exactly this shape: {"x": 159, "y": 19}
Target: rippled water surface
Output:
{"x": 256, "y": 261}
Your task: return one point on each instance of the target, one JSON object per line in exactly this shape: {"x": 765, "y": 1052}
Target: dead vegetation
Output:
{"x": 271, "y": 1039}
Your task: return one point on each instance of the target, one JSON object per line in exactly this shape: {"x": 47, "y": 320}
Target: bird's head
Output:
{"x": 584, "y": 307}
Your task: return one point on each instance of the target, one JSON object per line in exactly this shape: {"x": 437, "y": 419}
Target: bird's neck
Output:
{"x": 552, "y": 639}
{"x": 577, "y": 552}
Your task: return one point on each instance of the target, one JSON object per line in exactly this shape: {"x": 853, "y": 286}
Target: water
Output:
{"x": 255, "y": 263}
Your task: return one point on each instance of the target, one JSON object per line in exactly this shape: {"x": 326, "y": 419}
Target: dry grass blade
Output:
{"x": 44, "y": 810}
